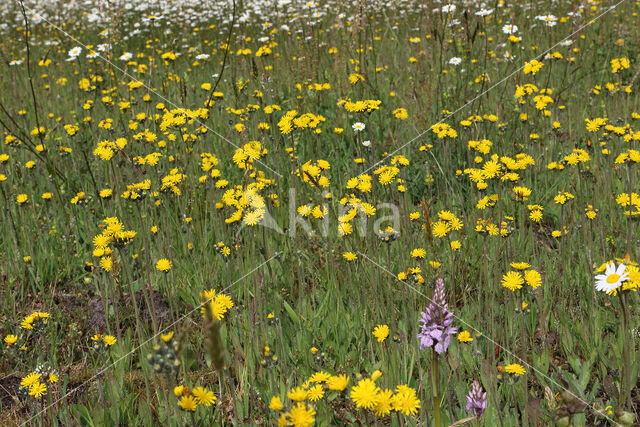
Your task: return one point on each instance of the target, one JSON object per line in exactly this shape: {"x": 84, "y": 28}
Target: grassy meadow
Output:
{"x": 280, "y": 212}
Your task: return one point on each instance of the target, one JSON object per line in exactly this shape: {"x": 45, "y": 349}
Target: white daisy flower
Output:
{"x": 366, "y": 143}
{"x": 510, "y": 29}
{"x": 612, "y": 278}
{"x": 75, "y": 51}
{"x": 358, "y": 126}
{"x": 126, "y": 56}
{"x": 484, "y": 12}
{"x": 549, "y": 20}
{"x": 455, "y": 61}
{"x": 449, "y": 8}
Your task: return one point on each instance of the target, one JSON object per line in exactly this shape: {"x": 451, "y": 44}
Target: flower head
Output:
{"x": 164, "y": 265}
{"x": 515, "y": 369}
{"x": 365, "y": 393}
{"x": 476, "y": 400}
{"x": 203, "y": 396}
{"x": 188, "y": 403}
{"x": 612, "y": 278}
{"x": 381, "y": 332}
{"x": 436, "y": 322}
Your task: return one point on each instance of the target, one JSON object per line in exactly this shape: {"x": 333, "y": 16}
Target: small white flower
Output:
{"x": 510, "y": 29}
{"x": 549, "y": 20}
{"x": 366, "y": 143}
{"x": 484, "y": 12}
{"x": 357, "y": 126}
{"x": 126, "y": 56}
{"x": 455, "y": 61}
{"x": 202, "y": 56}
{"x": 15, "y": 62}
{"x": 449, "y": 8}
{"x": 612, "y": 278}
{"x": 73, "y": 53}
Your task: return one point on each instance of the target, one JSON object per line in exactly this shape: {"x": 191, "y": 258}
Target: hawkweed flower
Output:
{"x": 276, "y": 404}
{"x": 515, "y": 369}
{"x": 436, "y": 322}
{"x": 203, "y": 396}
{"x": 188, "y": 403}
{"x": 405, "y": 400}
{"x": 164, "y": 265}
{"x": 101, "y": 343}
{"x": 476, "y": 400}
{"x": 338, "y": 382}
{"x": 381, "y": 332}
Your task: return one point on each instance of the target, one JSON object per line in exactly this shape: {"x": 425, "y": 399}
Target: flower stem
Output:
{"x": 434, "y": 389}
{"x": 625, "y": 386}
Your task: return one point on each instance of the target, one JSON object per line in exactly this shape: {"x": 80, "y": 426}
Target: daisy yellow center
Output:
{"x": 613, "y": 278}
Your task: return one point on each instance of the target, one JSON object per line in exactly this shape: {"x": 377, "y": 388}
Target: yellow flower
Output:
{"x": 297, "y": 394}
{"x": 385, "y": 403}
{"x": 464, "y": 336}
{"x": 315, "y": 393}
{"x": 376, "y": 374}
{"x": 533, "y": 278}
{"x": 276, "y": 404}
{"x": 512, "y": 280}
{"x": 37, "y": 390}
{"x": 381, "y": 332}
{"x": 418, "y": 253}
{"x": 338, "y": 382}
{"x": 164, "y": 265}
{"x": 520, "y": 265}
{"x": 109, "y": 340}
{"x": 515, "y": 369}
{"x": 10, "y": 339}
{"x": 350, "y": 256}
{"x": 406, "y": 401}
{"x": 532, "y": 67}
{"x": 188, "y": 403}
{"x": 301, "y": 416}
{"x": 31, "y": 379}
{"x": 106, "y": 263}
{"x": 203, "y": 396}
{"x": 319, "y": 377}
{"x": 365, "y": 394}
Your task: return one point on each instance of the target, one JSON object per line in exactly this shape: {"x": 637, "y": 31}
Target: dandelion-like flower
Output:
{"x": 436, "y": 322}
{"x": 381, "y": 332}
{"x": 365, "y": 394}
{"x": 164, "y": 265}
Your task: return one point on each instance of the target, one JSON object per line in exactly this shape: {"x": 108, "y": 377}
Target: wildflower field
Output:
{"x": 286, "y": 212}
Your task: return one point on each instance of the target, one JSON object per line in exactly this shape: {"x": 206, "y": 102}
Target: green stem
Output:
{"x": 434, "y": 389}
{"x": 625, "y": 384}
